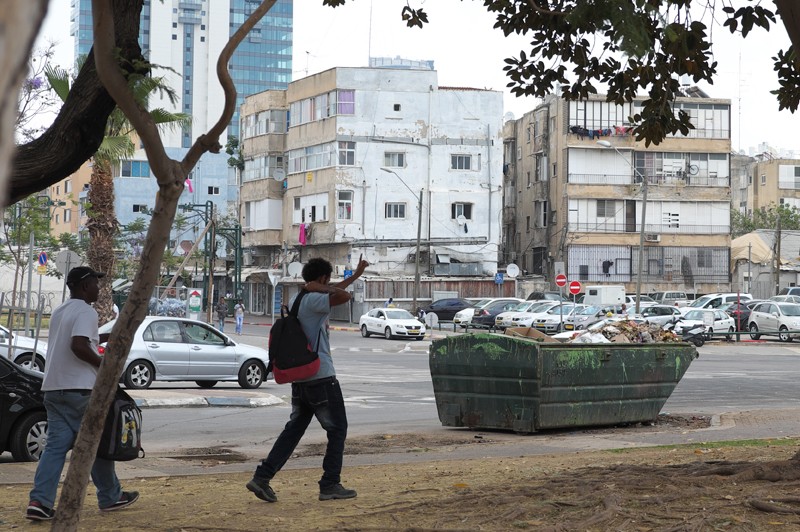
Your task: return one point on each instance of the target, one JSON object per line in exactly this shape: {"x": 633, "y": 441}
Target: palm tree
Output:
{"x": 117, "y": 145}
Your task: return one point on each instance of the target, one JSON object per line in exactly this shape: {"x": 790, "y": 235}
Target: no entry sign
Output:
{"x": 561, "y": 280}
{"x": 575, "y": 288}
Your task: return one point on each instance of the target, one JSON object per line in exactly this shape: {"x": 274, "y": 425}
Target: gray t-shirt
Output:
{"x": 315, "y": 308}
{"x": 64, "y": 370}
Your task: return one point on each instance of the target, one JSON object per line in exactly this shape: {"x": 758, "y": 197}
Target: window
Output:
{"x": 344, "y": 205}
{"x": 461, "y": 209}
{"x": 140, "y": 208}
{"x": 67, "y": 215}
{"x": 347, "y": 153}
{"x": 213, "y": 191}
{"x": 763, "y": 179}
{"x": 703, "y": 258}
{"x": 394, "y": 159}
{"x": 529, "y": 179}
{"x": 134, "y": 169}
{"x": 397, "y": 107}
{"x": 606, "y": 208}
{"x": 346, "y": 102}
{"x": 461, "y": 162}
{"x": 67, "y": 186}
{"x": 57, "y": 219}
{"x": 395, "y": 210}
{"x": 527, "y": 224}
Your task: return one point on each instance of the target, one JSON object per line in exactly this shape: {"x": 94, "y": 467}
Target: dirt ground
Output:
{"x": 644, "y": 489}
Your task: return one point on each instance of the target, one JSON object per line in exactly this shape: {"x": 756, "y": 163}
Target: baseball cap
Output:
{"x": 76, "y": 275}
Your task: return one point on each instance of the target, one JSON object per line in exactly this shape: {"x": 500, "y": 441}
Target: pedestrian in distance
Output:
{"x": 238, "y": 314}
{"x": 221, "y": 311}
{"x": 389, "y": 303}
{"x": 69, "y": 376}
{"x": 320, "y": 396}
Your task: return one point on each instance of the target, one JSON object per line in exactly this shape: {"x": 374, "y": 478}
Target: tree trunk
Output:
{"x": 20, "y": 21}
{"x": 102, "y": 226}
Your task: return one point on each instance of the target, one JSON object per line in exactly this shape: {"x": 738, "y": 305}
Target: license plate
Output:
{"x": 568, "y": 326}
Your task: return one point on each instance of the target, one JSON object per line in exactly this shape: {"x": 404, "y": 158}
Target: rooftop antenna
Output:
{"x": 369, "y": 38}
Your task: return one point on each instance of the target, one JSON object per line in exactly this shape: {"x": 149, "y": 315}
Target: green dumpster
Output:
{"x": 492, "y": 381}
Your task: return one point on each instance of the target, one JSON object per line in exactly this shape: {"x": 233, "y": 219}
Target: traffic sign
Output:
{"x": 561, "y": 280}
{"x": 575, "y": 288}
{"x": 498, "y": 278}
{"x": 348, "y": 273}
{"x": 41, "y": 270}
{"x": 42, "y": 259}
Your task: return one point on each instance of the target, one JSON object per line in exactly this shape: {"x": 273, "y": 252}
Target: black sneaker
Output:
{"x": 126, "y": 499}
{"x": 337, "y": 491}
{"x": 260, "y": 487}
{"x": 38, "y": 512}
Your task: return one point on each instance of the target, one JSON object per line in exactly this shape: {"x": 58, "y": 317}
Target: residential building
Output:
{"x": 581, "y": 179}
{"x": 773, "y": 182}
{"x": 68, "y": 212}
{"x": 364, "y": 148}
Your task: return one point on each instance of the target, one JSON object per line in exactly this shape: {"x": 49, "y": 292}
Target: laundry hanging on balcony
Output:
{"x": 302, "y": 236}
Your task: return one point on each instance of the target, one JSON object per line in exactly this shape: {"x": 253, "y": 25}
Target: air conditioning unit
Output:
{"x": 247, "y": 259}
{"x": 652, "y": 237}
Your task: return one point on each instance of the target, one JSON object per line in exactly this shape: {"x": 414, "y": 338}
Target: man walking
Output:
{"x": 221, "y": 310}
{"x": 318, "y": 396}
{"x": 238, "y": 313}
{"x": 69, "y": 376}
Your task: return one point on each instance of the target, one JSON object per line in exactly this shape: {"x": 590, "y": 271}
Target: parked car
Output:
{"x": 644, "y": 301}
{"x": 583, "y": 318}
{"x": 740, "y": 312}
{"x": 179, "y": 349}
{"x": 553, "y": 322}
{"x": 464, "y": 318}
{"x": 785, "y": 299}
{"x": 715, "y": 301}
{"x": 715, "y": 320}
{"x": 773, "y": 318}
{"x": 391, "y": 323}
{"x": 790, "y": 291}
{"x": 485, "y": 317}
{"x": 23, "y": 419}
{"x": 542, "y": 296}
{"x": 657, "y": 314}
{"x": 445, "y": 309}
{"x": 504, "y": 319}
{"x": 680, "y": 299}
{"x": 527, "y": 319}
{"x": 26, "y": 351}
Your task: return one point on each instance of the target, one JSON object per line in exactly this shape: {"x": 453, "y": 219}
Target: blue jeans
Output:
{"x": 324, "y": 400}
{"x": 65, "y": 411}
{"x": 221, "y": 324}
{"x": 239, "y": 323}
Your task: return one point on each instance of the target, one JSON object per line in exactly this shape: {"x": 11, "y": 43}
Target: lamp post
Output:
{"x": 419, "y": 236}
{"x": 606, "y": 144}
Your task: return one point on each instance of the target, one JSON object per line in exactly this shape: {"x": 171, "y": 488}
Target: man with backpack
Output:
{"x": 319, "y": 395}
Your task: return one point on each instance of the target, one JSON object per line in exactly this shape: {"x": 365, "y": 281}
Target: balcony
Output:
{"x": 658, "y": 179}
{"x": 612, "y": 226}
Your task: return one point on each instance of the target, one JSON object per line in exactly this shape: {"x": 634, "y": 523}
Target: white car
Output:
{"x": 775, "y": 318}
{"x": 391, "y": 323}
{"x": 714, "y": 320}
{"x": 553, "y": 321}
{"x": 644, "y": 301}
{"x": 527, "y": 319}
{"x": 584, "y": 317}
{"x": 657, "y": 314}
{"x": 180, "y": 349}
{"x": 464, "y": 317}
{"x": 25, "y": 351}
{"x": 505, "y": 319}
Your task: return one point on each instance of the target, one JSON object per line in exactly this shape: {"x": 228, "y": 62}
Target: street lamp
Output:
{"x": 606, "y": 144}
{"x": 419, "y": 235}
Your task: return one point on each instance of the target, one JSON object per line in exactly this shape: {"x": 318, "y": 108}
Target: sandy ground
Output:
{"x": 644, "y": 489}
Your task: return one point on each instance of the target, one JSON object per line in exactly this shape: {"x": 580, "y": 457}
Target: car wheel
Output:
{"x": 139, "y": 375}
{"x": 251, "y": 374}
{"x": 364, "y": 331}
{"x": 730, "y": 333}
{"x": 206, "y": 384}
{"x": 29, "y": 437}
{"x": 30, "y": 361}
{"x": 754, "y": 332}
{"x": 387, "y": 333}
{"x": 784, "y": 334}
{"x": 710, "y": 335}
{"x": 698, "y": 342}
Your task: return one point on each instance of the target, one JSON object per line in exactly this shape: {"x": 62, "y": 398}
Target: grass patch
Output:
{"x": 768, "y": 442}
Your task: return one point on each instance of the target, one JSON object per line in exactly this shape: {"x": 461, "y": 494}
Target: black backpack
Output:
{"x": 122, "y": 435}
{"x": 291, "y": 356}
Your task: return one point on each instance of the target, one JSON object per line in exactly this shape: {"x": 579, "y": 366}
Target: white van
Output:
{"x": 715, "y": 301}
{"x": 604, "y": 295}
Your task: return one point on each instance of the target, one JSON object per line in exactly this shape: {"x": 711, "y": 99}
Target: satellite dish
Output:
{"x": 512, "y": 270}
{"x": 431, "y": 320}
{"x": 295, "y": 269}
{"x": 461, "y": 219}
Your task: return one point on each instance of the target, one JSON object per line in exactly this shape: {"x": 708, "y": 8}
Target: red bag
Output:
{"x": 291, "y": 357}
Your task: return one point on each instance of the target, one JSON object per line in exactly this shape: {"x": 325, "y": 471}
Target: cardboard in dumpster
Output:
{"x": 620, "y": 339}
{"x": 529, "y": 333}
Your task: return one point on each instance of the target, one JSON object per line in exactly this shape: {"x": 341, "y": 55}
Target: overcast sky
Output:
{"x": 468, "y": 52}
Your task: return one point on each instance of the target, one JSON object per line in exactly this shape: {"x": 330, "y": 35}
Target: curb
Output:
{"x": 240, "y": 402}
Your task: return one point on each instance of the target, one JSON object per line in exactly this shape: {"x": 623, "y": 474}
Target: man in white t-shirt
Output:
{"x": 69, "y": 375}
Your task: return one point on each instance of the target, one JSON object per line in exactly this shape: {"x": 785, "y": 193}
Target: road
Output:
{"x": 387, "y": 388}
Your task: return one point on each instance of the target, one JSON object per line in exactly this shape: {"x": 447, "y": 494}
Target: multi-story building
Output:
{"x": 364, "y": 149}
{"x": 771, "y": 183}
{"x": 582, "y": 180}
{"x": 69, "y": 202}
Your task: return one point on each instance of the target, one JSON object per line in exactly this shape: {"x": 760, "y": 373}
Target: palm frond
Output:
{"x": 59, "y": 80}
{"x": 170, "y": 120}
{"x": 115, "y": 148}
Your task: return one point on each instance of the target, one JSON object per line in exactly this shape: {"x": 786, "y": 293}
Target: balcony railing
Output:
{"x": 626, "y": 179}
{"x": 622, "y": 227}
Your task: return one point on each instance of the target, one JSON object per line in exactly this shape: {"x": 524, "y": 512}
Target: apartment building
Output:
{"x": 772, "y": 182}
{"x": 582, "y": 179}
{"x": 364, "y": 149}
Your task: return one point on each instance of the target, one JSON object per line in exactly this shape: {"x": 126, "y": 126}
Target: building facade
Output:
{"x": 581, "y": 180}
{"x": 773, "y": 183}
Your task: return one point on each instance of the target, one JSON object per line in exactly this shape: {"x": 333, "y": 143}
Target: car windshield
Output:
{"x": 482, "y": 303}
{"x": 524, "y": 306}
{"x": 561, "y": 309}
{"x": 589, "y": 311}
{"x": 701, "y": 301}
{"x": 399, "y": 314}
{"x": 695, "y": 315}
{"x": 790, "y": 309}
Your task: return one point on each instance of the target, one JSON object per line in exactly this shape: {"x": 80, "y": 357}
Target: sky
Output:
{"x": 468, "y": 52}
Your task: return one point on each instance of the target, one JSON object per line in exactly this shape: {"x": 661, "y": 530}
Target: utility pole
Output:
{"x": 777, "y": 247}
